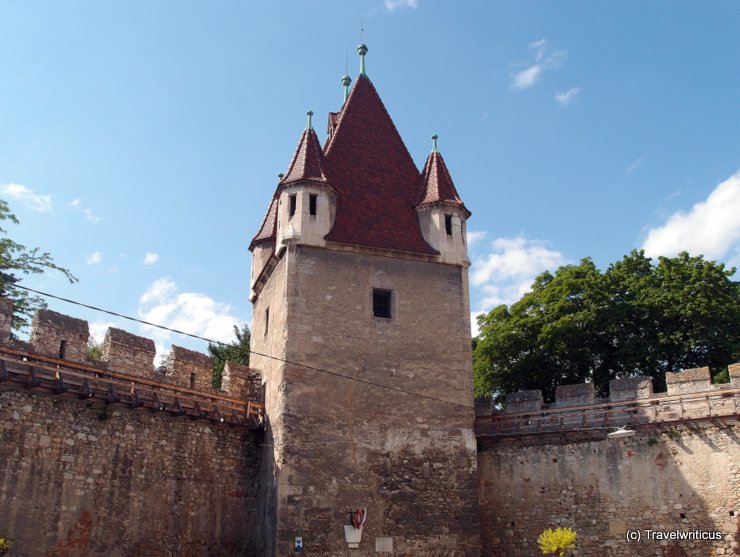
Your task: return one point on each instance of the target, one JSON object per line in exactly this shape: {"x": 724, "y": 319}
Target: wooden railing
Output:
{"x": 27, "y": 370}
{"x": 709, "y": 405}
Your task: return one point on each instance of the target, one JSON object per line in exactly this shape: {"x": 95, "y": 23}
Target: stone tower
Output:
{"x": 361, "y": 328}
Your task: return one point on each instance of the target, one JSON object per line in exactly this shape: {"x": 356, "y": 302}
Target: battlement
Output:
{"x": 64, "y": 337}
{"x": 631, "y": 402}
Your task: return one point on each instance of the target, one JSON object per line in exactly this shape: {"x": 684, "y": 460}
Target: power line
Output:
{"x": 306, "y": 366}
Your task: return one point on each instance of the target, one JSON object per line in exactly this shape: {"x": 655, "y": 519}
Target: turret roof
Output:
{"x": 437, "y": 184}
{"x": 308, "y": 160}
{"x": 267, "y": 230}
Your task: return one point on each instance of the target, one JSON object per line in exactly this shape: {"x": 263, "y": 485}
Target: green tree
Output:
{"x": 236, "y": 351}
{"x": 635, "y": 318}
{"x": 16, "y": 260}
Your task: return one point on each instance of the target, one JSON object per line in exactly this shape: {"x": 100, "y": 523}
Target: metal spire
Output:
{"x": 434, "y": 143}
{"x": 346, "y": 81}
{"x": 309, "y": 126}
{"x": 362, "y": 50}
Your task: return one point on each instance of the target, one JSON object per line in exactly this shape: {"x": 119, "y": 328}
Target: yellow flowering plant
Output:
{"x": 557, "y": 541}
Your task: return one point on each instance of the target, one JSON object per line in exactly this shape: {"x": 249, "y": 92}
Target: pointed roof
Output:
{"x": 378, "y": 182}
{"x": 308, "y": 160}
{"x": 269, "y": 223}
{"x": 437, "y": 184}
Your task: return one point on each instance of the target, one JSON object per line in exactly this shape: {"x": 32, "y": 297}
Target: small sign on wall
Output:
{"x": 298, "y": 543}
{"x": 384, "y": 545}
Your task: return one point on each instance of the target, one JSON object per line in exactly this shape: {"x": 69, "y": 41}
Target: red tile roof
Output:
{"x": 308, "y": 160}
{"x": 437, "y": 184}
{"x": 377, "y": 180}
{"x": 367, "y": 163}
{"x": 267, "y": 230}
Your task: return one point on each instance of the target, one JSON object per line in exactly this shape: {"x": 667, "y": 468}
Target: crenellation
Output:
{"x": 242, "y": 382}
{"x": 688, "y": 381}
{"x": 189, "y": 368}
{"x": 734, "y": 371}
{"x": 60, "y": 336}
{"x": 484, "y": 406}
{"x": 630, "y": 388}
{"x": 129, "y": 353}
{"x": 524, "y": 401}
{"x": 6, "y": 319}
{"x": 580, "y": 394}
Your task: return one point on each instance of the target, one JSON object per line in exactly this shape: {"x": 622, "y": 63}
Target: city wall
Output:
{"x": 674, "y": 467}
{"x": 90, "y": 465}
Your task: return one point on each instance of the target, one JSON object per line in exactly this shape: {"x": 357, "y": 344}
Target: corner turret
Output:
{"x": 306, "y": 203}
{"x": 442, "y": 214}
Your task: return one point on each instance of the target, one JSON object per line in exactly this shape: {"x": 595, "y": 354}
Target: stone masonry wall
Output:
{"x": 82, "y": 478}
{"x": 83, "y": 481}
{"x": 674, "y": 479}
{"x": 544, "y": 466}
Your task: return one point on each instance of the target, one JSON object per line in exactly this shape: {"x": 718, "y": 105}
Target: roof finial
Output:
{"x": 309, "y": 126}
{"x": 280, "y": 176}
{"x": 346, "y": 80}
{"x": 362, "y": 49}
{"x": 434, "y": 143}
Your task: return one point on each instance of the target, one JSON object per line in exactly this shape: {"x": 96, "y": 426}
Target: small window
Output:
{"x": 382, "y": 303}
{"x": 267, "y": 320}
{"x": 62, "y": 349}
{"x": 448, "y": 224}
{"x": 312, "y": 204}
{"x": 192, "y": 380}
{"x": 291, "y": 210}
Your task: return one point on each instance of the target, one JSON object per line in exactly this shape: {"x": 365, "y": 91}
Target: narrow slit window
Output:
{"x": 448, "y": 224}
{"x": 382, "y": 303}
{"x": 62, "y": 348}
{"x": 312, "y": 204}
{"x": 267, "y": 320}
{"x": 292, "y": 205}
{"x": 192, "y": 380}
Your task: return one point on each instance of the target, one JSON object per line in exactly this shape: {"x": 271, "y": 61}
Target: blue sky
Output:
{"x": 140, "y": 142}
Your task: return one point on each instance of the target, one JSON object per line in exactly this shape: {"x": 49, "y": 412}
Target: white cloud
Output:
{"x": 637, "y": 162}
{"x": 555, "y": 60}
{"x": 94, "y": 258}
{"x": 526, "y": 78}
{"x": 475, "y": 236}
{"x": 151, "y": 258}
{"x": 89, "y": 215}
{"x": 392, "y": 5}
{"x": 98, "y": 328}
{"x": 191, "y": 312}
{"x": 568, "y": 96}
{"x": 507, "y": 273}
{"x": 711, "y": 228}
{"x": 34, "y": 201}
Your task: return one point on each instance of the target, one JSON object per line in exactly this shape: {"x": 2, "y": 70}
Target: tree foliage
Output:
{"x": 236, "y": 351}
{"x": 16, "y": 260}
{"x": 636, "y": 318}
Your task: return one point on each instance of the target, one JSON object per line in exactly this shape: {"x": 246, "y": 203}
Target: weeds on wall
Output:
{"x": 5, "y": 545}
{"x": 557, "y": 541}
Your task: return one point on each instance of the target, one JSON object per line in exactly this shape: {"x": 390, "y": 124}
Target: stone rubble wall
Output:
{"x": 57, "y": 335}
{"x": 678, "y": 472}
{"x": 665, "y": 479}
{"x": 79, "y": 479}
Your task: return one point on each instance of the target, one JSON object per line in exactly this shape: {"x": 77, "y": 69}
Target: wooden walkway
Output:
{"x": 25, "y": 370}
